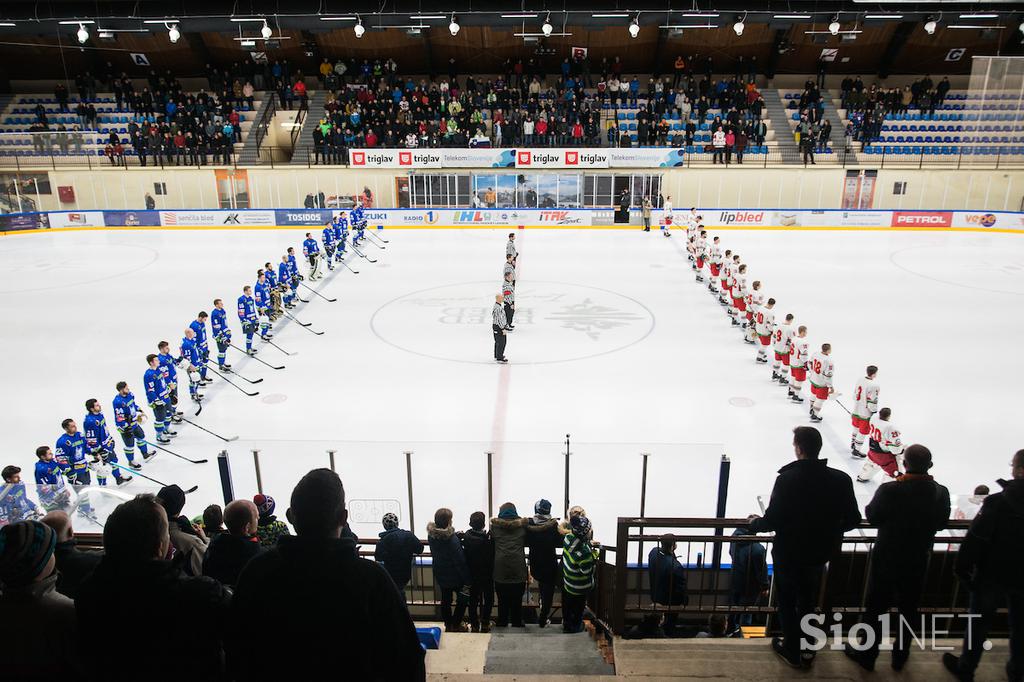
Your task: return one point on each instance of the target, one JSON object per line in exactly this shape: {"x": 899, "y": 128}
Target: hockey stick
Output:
{"x": 375, "y": 241}
{"x": 254, "y": 393}
{"x": 256, "y": 358}
{"x": 838, "y": 402}
{"x": 169, "y": 452}
{"x": 226, "y": 440}
{"x": 229, "y": 371}
{"x": 329, "y": 300}
{"x": 386, "y": 241}
{"x": 304, "y": 325}
{"x": 268, "y": 341}
{"x": 345, "y": 263}
{"x": 296, "y": 295}
{"x": 296, "y": 320}
{"x": 159, "y": 483}
{"x": 363, "y": 255}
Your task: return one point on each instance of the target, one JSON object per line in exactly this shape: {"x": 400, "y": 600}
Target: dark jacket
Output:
{"x": 74, "y": 566}
{"x": 396, "y": 549}
{"x": 509, "y": 550}
{"x": 749, "y": 574}
{"x": 993, "y": 551}
{"x": 478, "y": 548}
{"x": 543, "y": 541}
{"x": 326, "y": 601}
{"x": 667, "y": 579}
{"x": 40, "y": 632}
{"x": 227, "y": 555}
{"x": 907, "y": 512}
{"x": 122, "y": 592}
{"x": 811, "y": 506}
{"x": 447, "y": 559}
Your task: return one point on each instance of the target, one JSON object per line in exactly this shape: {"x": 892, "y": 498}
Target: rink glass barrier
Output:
{"x": 88, "y": 506}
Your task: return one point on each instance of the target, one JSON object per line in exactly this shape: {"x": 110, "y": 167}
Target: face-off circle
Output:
{"x": 554, "y": 322}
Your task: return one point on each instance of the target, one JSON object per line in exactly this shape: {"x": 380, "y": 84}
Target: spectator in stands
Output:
{"x": 579, "y": 561}
{"x": 330, "y": 600}
{"x": 509, "y": 533}
{"x": 60, "y": 93}
{"x": 229, "y": 552}
{"x": 134, "y": 578}
{"x": 188, "y": 540}
{"x": 543, "y": 542}
{"x": 811, "y": 506}
{"x": 748, "y": 577}
{"x": 718, "y": 145}
{"x": 718, "y": 627}
{"x": 269, "y": 530}
{"x": 666, "y": 580}
{"x": 989, "y": 564}
{"x": 396, "y": 550}
{"x": 807, "y": 143}
{"x": 450, "y": 569}
{"x": 40, "y": 633}
{"x": 73, "y": 564}
{"x": 213, "y": 516}
{"x": 478, "y": 548}
{"x": 908, "y": 512}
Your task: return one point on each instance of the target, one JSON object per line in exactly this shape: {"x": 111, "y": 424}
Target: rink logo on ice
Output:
{"x": 922, "y": 218}
{"x": 741, "y": 218}
{"x": 591, "y": 318}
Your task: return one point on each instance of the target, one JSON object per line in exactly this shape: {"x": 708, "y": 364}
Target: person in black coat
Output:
{"x": 134, "y": 578}
{"x": 667, "y": 579}
{"x": 396, "y": 550}
{"x": 73, "y": 564}
{"x": 450, "y": 569}
{"x": 333, "y": 608}
{"x": 989, "y": 563}
{"x": 229, "y": 552}
{"x": 544, "y": 565}
{"x": 748, "y": 577}
{"x": 478, "y": 548}
{"x": 908, "y": 512}
{"x": 811, "y": 506}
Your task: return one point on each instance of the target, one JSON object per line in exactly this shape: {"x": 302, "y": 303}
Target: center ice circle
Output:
{"x": 555, "y": 322}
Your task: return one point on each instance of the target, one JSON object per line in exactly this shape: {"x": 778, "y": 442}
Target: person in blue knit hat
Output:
{"x": 544, "y": 542}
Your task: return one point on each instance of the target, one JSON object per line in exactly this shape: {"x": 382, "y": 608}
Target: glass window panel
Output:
{"x": 547, "y": 190}
{"x": 506, "y": 191}
{"x": 568, "y": 191}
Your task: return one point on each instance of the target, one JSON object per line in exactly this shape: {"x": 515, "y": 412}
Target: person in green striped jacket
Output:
{"x": 579, "y": 560}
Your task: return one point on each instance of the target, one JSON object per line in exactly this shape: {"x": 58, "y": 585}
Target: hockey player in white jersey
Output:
{"x": 885, "y": 449}
{"x": 865, "y": 404}
{"x": 821, "y": 368}
{"x": 764, "y": 323}
{"x": 666, "y": 216}
{"x": 753, "y": 300}
{"x": 724, "y": 273}
{"x": 782, "y": 339}
{"x": 799, "y": 357}
{"x": 714, "y": 264}
{"x": 739, "y": 297}
{"x": 731, "y": 307}
{"x": 700, "y": 253}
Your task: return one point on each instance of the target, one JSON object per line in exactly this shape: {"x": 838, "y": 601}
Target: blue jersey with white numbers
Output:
{"x": 200, "y": 329}
{"x": 126, "y": 412}
{"x": 309, "y": 247}
{"x": 246, "y": 309}
{"x": 96, "y": 433}
{"x": 69, "y": 453}
{"x": 14, "y": 503}
{"x": 284, "y": 274}
{"x": 167, "y": 365}
{"x": 219, "y": 323}
{"x": 271, "y": 278}
{"x": 156, "y": 385}
{"x": 49, "y": 473}
{"x": 261, "y": 294}
{"x": 293, "y": 266}
{"x": 329, "y": 236}
{"x": 357, "y": 216}
{"x": 341, "y": 223}
{"x": 190, "y": 351}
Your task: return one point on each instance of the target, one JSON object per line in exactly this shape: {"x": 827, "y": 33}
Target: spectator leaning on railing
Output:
{"x": 579, "y": 561}
{"x": 450, "y": 569}
{"x": 544, "y": 541}
{"x": 188, "y": 540}
{"x": 478, "y": 548}
{"x": 73, "y": 564}
{"x": 229, "y": 552}
{"x": 396, "y": 550}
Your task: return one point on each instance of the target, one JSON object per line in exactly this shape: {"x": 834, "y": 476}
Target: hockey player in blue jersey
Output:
{"x": 284, "y": 276}
{"x": 329, "y": 245}
{"x": 15, "y": 504}
{"x": 193, "y": 360}
{"x": 53, "y": 492}
{"x": 128, "y": 419}
{"x": 340, "y": 227}
{"x": 70, "y": 455}
{"x": 198, "y": 326}
{"x": 247, "y": 316}
{"x": 261, "y": 295}
{"x": 311, "y": 250}
{"x": 158, "y": 395}
{"x": 99, "y": 440}
{"x": 221, "y": 334}
{"x": 358, "y": 218}
{"x": 293, "y": 267}
{"x": 168, "y": 365}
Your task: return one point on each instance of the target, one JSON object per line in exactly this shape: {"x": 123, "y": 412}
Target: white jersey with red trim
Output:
{"x": 821, "y": 370}
{"x": 783, "y": 337}
{"x": 764, "y": 321}
{"x": 754, "y": 298}
{"x": 700, "y": 246}
{"x": 800, "y": 352}
{"x": 865, "y": 398}
{"x": 884, "y": 437}
{"x": 733, "y": 271}
{"x": 715, "y": 254}
{"x": 726, "y": 272}
{"x": 740, "y": 288}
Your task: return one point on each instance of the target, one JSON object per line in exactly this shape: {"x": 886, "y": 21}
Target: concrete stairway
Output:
{"x": 250, "y": 153}
{"x": 779, "y": 116}
{"x": 304, "y": 144}
{"x": 752, "y": 660}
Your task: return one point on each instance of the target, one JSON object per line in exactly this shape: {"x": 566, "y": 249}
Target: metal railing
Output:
{"x": 261, "y": 127}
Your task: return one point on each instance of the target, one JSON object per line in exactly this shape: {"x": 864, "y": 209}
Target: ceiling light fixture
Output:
{"x": 358, "y": 28}
{"x": 547, "y": 28}
{"x": 266, "y": 31}
{"x": 173, "y": 33}
{"x": 834, "y": 27}
{"x": 83, "y": 33}
{"x": 454, "y": 26}
{"x": 634, "y": 27}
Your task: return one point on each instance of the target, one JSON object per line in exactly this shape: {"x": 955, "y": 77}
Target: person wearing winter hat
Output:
{"x": 31, "y": 605}
{"x": 478, "y": 547}
{"x": 189, "y": 540}
{"x": 269, "y": 528}
{"x": 509, "y": 532}
{"x": 450, "y": 569}
{"x": 543, "y": 543}
{"x": 396, "y": 550}
{"x": 579, "y": 559}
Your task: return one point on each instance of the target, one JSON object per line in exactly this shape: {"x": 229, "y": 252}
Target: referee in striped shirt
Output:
{"x": 499, "y": 325}
{"x": 510, "y": 269}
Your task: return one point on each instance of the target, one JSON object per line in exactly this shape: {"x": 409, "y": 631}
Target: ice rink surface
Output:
{"x": 615, "y": 344}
